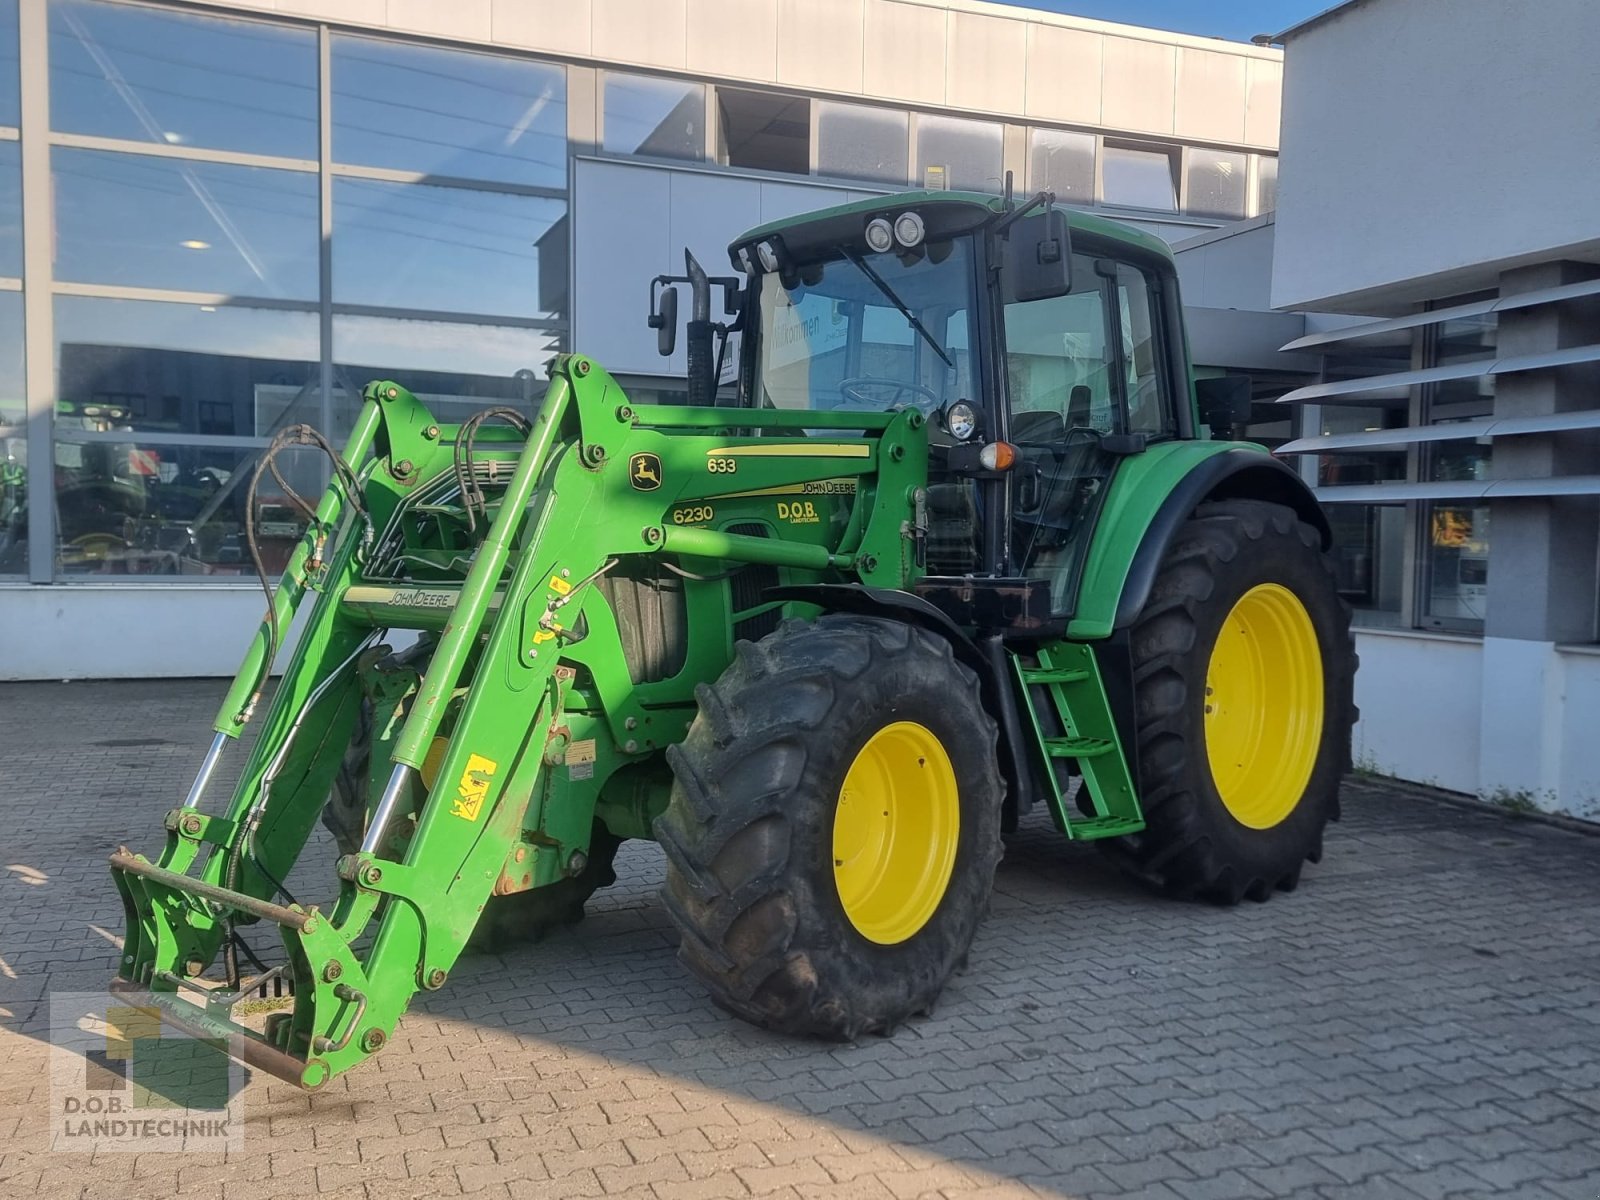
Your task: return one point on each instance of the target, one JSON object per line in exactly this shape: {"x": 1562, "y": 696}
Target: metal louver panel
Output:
{"x": 1484, "y": 427}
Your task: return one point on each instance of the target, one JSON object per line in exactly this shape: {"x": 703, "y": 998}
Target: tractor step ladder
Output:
{"x": 1069, "y": 676}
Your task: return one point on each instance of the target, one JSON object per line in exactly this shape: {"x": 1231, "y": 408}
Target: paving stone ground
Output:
{"x": 1420, "y": 1020}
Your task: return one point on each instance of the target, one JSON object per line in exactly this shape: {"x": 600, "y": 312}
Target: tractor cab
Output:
{"x": 1042, "y": 347}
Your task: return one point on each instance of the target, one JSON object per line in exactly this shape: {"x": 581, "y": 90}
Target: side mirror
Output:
{"x": 1224, "y": 402}
{"x": 664, "y": 320}
{"x": 1038, "y": 256}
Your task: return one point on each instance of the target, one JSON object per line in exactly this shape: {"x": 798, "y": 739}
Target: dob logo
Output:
{"x": 644, "y": 472}
{"x": 800, "y": 512}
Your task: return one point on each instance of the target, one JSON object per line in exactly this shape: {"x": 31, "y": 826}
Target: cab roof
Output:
{"x": 945, "y": 213}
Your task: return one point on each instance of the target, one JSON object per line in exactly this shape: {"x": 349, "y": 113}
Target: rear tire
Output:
{"x": 1245, "y": 604}
{"x": 778, "y": 864}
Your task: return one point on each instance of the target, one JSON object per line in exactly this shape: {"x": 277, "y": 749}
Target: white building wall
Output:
{"x": 1410, "y": 134}
{"x": 111, "y": 631}
{"x": 992, "y": 59}
{"x": 1420, "y": 697}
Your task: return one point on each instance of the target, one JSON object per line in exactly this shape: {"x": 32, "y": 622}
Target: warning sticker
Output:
{"x": 580, "y": 759}
{"x": 472, "y": 789}
{"x": 559, "y": 585}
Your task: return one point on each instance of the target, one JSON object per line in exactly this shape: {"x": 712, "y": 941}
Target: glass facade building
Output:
{"x": 215, "y": 225}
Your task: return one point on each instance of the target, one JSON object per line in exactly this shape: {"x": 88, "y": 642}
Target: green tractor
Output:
{"x": 962, "y": 537}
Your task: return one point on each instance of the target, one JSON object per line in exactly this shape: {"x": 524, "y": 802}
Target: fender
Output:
{"x": 985, "y": 657}
{"x": 1239, "y": 473}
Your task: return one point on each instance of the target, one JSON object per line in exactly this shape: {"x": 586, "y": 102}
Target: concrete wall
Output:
{"x": 993, "y": 59}
{"x": 1420, "y": 697}
{"x": 107, "y": 631}
{"x": 1423, "y": 136}
{"x": 1506, "y": 719}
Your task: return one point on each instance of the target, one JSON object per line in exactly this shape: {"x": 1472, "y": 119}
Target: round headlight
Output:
{"x": 908, "y": 229}
{"x": 768, "y": 255}
{"x": 880, "y": 236}
{"x": 961, "y": 419}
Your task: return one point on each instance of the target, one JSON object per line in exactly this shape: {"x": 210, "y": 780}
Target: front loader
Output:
{"x": 958, "y": 536}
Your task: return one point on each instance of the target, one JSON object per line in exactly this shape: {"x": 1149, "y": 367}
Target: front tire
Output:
{"x": 834, "y": 830}
{"x": 1243, "y": 677}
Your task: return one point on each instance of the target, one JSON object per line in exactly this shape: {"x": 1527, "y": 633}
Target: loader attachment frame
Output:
{"x": 496, "y": 768}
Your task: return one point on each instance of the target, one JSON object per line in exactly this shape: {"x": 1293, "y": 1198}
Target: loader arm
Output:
{"x": 503, "y": 740}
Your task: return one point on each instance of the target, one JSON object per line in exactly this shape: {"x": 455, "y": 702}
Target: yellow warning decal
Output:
{"x": 798, "y": 450}
{"x": 559, "y": 585}
{"x": 474, "y": 786}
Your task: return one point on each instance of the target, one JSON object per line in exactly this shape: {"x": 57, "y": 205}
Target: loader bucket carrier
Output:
{"x": 952, "y": 544}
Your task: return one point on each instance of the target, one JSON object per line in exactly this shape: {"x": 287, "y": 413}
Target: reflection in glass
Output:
{"x": 856, "y": 141}
{"x": 1457, "y": 566}
{"x": 454, "y": 368}
{"x": 1266, "y": 183}
{"x": 13, "y": 503}
{"x": 452, "y": 249}
{"x": 1215, "y": 183}
{"x": 178, "y": 78}
{"x": 13, "y": 400}
{"x": 1139, "y": 177}
{"x": 956, "y": 153}
{"x": 13, "y": 445}
{"x": 11, "y": 209}
{"x": 138, "y": 365}
{"x": 126, "y": 508}
{"x": 167, "y": 223}
{"x": 663, "y": 118}
{"x": 1063, "y": 162}
{"x": 449, "y": 112}
{"x": 9, "y": 63}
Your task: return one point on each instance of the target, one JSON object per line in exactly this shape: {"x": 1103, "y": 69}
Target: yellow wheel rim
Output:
{"x": 1264, "y": 705}
{"x": 895, "y": 832}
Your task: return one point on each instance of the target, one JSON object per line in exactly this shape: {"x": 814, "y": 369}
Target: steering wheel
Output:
{"x": 852, "y": 389}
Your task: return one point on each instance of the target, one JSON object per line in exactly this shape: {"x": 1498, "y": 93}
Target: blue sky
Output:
{"x": 1236, "y": 20}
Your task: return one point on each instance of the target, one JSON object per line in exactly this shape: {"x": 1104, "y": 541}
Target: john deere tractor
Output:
{"x": 945, "y": 533}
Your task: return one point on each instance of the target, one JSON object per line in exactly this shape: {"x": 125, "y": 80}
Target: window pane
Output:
{"x": 1369, "y": 559}
{"x": 11, "y": 209}
{"x": 138, "y": 365}
{"x": 154, "y": 75}
{"x": 1457, "y": 566}
{"x": 13, "y": 504}
{"x": 13, "y": 449}
{"x": 449, "y": 112}
{"x": 664, "y": 118}
{"x": 764, "y": 131}
{"x": 1266, "y": 184}
{"x": 123, "y": 508}
{"x": 855, "y": 141}
{"x": 1139, "y": 178}
{"x": 953, "y": 153}
{"x": 13, "y": 405}
{"x": 164, "y": 223}
{"x": 1215, "y": 183}
{"x": 406, "y": 245}
{"x": 9, "y": 62}
{"x": 1063, "y": 162}
{"x": 1149, "y": 409}
{"x": 455, "y": 369}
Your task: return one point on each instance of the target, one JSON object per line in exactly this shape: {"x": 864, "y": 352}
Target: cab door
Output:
{"x": 1088, "y": 382}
